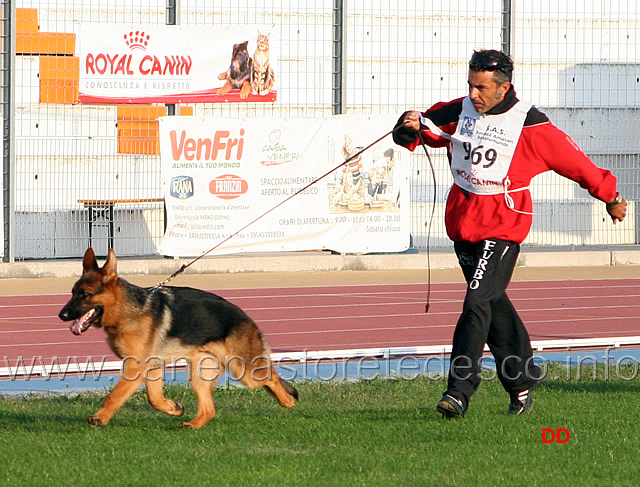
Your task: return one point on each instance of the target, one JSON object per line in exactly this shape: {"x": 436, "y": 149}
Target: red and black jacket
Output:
{"x": 542, "y": 147}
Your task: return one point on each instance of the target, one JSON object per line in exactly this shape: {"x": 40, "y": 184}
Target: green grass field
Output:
{"x": 378, "y": 433}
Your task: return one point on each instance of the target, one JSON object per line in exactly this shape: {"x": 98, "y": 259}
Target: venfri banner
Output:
{"x": 171, "y": 64}
{"x": 219, "y": 175}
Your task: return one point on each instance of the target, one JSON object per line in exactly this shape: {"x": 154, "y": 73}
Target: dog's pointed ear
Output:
{"x": 89, "y": 262}
{"x": 109, "y": 269}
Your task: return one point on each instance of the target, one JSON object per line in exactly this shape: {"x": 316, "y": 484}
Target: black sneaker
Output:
{"x": 450, "y": 407}
{"x": 522, "y": 403}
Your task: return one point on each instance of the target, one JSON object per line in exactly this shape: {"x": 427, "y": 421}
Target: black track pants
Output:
{"x": 489, "y": 317}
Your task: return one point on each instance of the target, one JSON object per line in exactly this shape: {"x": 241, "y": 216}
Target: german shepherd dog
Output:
{"x": 238, "y": 76}
{"x": 150, "y": 327}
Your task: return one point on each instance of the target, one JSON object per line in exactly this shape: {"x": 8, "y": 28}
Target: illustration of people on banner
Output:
{"x": 364, "y": 186}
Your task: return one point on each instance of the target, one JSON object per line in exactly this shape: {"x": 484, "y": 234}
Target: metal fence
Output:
{"x": 577, "y": 61}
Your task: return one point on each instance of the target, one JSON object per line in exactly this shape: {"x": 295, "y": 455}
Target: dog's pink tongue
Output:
{"x": 80, "y": 325}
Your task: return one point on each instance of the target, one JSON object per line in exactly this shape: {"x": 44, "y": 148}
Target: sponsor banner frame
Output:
{"x": 175, "y": 64}
{"x": 219, "y": 175}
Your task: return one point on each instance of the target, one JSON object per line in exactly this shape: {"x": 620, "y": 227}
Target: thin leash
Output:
{"x": 348, "y": 160}
{"x": 433, "y": 210}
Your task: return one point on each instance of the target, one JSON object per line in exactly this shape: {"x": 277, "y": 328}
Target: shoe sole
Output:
{"x": 448, "y": 410}
{"x": 521, "y": 412}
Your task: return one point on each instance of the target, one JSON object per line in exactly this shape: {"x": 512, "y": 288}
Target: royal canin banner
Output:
{"x": 172, "y": 64}
{"x": 221, "y": 175}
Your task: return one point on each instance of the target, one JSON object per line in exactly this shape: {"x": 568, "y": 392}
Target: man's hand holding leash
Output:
{"x": 412, "y": 121}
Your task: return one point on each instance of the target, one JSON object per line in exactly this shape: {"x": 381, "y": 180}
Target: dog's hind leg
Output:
{"x": 260, "y": 373}
{"x": 250, "y": 363}
{"x": 157, "y": 399}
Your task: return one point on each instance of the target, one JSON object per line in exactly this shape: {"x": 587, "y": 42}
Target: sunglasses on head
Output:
{"x": 481, "y": 62}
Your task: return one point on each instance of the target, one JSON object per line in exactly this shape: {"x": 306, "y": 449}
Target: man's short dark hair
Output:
{"x": 491, "y": 60}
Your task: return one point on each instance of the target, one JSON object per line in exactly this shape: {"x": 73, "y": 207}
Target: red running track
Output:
{"x": 301, "y": 319}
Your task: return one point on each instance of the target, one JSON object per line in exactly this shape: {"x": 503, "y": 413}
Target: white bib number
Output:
{"x": 483, "y": 146}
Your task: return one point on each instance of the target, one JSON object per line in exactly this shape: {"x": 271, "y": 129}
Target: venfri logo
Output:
{"x": 560, "y": 435}
{"x": 182, "y": 187}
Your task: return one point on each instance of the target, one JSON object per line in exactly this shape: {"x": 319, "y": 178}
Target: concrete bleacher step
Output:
{"x": 27, "y": 81}
{"x": 47, "y": 183}
{"x": 67, "y": 121}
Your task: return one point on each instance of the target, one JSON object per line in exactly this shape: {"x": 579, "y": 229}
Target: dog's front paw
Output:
{"x": 96, "y": 422}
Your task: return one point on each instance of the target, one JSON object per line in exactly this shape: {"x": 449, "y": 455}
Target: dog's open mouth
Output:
{"x": 81, "y": 324}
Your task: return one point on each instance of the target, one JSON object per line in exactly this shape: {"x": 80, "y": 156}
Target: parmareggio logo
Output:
{"x": 276, "y": 152}
{"x": 182, "y": 187}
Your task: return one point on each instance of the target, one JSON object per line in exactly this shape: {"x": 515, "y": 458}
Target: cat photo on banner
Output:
{"x": 249, "y": 75}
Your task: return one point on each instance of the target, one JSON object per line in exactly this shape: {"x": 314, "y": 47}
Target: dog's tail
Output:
{"x": 266, "y": 350}
{"x": 292, "y": 391}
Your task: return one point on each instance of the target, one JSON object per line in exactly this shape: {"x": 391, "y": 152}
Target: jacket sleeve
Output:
{"x": 563, "y": 156}
{"x": 404, "y": 137}
{"x": 411, "y": 140}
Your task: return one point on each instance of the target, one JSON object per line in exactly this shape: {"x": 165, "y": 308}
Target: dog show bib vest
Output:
{"x": 482, "y": 148}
